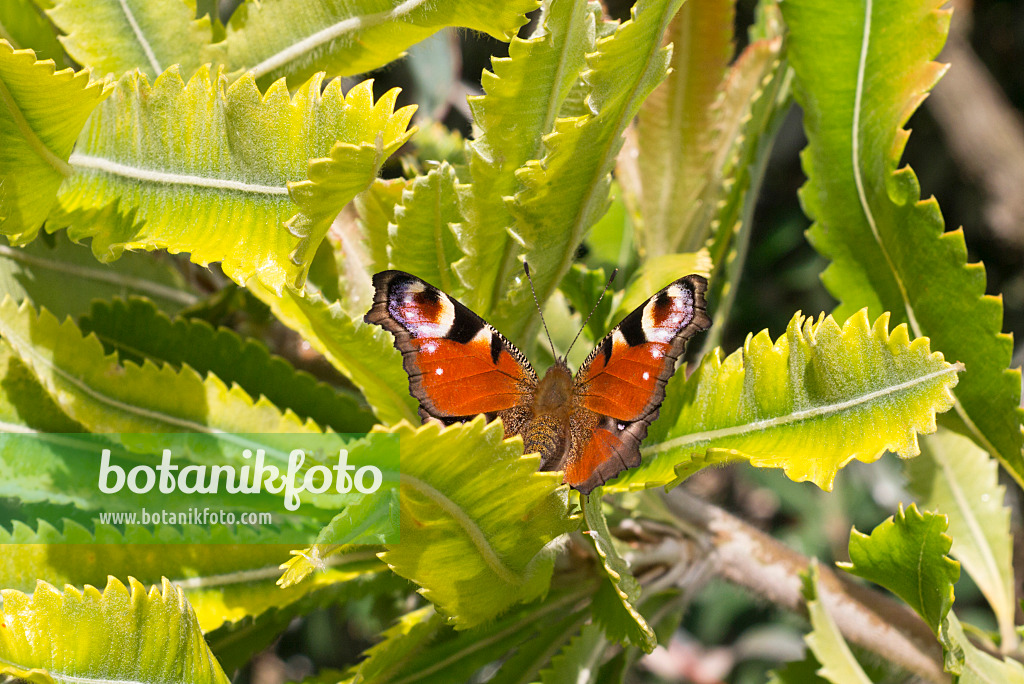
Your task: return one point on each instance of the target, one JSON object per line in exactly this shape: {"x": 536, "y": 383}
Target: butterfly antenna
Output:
{"x": 583, "y": 327}
{"x": 526, "y": 267}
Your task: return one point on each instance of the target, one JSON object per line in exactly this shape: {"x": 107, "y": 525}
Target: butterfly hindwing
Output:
{"x": 458, "y": 365}
{"x": 622, "y": 382}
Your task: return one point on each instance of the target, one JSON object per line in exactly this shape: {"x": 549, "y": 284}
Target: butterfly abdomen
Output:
{"x": 546, "y": 432}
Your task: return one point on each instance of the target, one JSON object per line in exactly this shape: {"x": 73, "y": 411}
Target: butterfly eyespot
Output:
{"x": 657, "y": 353}
{"x": 430, "y": 347}
{"x": 439, "y": 371}
{"x": 621, "y": 426}
{"x": 647, "y": 376}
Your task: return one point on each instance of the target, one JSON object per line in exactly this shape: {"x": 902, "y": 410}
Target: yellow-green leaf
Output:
{"x": 115, "y": 36}
{"x": 41, "y": 114}
{"x": 475, "y": 551}
{"x": 809, "y": 403}
{"x": 862, "y": 68}
{"x": 219, "y": 171}
{"x": 121, "y": 634}
{"x": 295, "y": 38}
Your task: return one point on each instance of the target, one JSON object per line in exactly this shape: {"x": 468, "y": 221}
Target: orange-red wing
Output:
{"x": 624, "y": 377}
{"x": 458, "y": 365}
{"x": 608, "y": 450}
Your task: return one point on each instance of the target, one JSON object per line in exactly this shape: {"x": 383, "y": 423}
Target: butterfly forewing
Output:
{"x": 458, "y": 365}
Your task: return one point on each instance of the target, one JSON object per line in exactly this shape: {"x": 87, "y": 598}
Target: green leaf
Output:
{"x": 978, "y": 667}
{"x": 119, "y": 634}
{"x": 349, "y": 169}
{"x": 65, "y": 278}
{"x": 236, "y": 643}
{"x": 23, "y": 25}
{"x": 115, "y": 36}
{"x": 809, "y": 403}
{"x": 616, "y": 610}
{"x": 675, "y": 127}
{"x": 862, "y": 69}
{"x": 221, "y": 184}
{"x": 375, "y": 208}
{"x": 521, "y": 100}
{"x": 566, "y": 191}
{"x": 754, "y": 101}
{"x": 24, "y": 402}
{"x": 41, "y": 115}
{"x": 583, "y": 287}
{"x": 474, "y": 551}
{"x": 580, "y": 661}
{"x": 106, "y": 396}
{"x": 798, "y": 672}
{"x": 295, "y": 38}
{"x": 826, "y": 641}
{"x": 225, "y": 581}
{"x": 906, "y": 554}
{"x": 138, "y": 332}
{"x": 364, "y": 353}
{"x": 954, "y": 477}
{"x": 421, "y": 240}
{"x": 420, "y": 649}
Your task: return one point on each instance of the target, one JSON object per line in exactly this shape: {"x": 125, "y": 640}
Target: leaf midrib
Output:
{"x": 28, "y": 134}
{"x": 823, "y": 410}
{"x": 349, "y": 25}
{"x": 622, "y": 121}
{"x": 873, "y": 225}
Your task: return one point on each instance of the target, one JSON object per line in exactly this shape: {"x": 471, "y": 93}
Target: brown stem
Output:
{"x": 751, "y": 559}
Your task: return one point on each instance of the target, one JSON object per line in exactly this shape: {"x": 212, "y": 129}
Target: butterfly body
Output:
{"x": 590, "y": 426}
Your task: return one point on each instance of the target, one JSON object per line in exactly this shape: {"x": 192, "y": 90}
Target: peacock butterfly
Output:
{"x": 589, "y": 426}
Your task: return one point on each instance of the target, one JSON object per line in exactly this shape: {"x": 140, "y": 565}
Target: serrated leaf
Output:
{"x": 580, "y": 660}
{"x": 808, "y": 403}
{"x": 616, "y": 610}
{"x": 121, "y": 634}
{"x": 825, "y": 640}
{"x": 24, "y": 26}
{"x": 798, "y": 672}
{"x": 474, "y": 551}
{"x": 221, "y": 184}
{"x": 137, "y": 331}
{"x": 235, "y": 643}
{"x": 24, "y": 402}
{"x": 420, "y": 240}
{"x": 953, "y": 476}
{"x": 978, "y": 667}
{"x": 295, "y": 38}
{"x": 566, "y": 191}
{"x": 225, "y": 580}
{"x": 364, "y": 353}
{"x": 106, "y": 396}
{"x": 862, "y": 69}
{"x": 754, "y": 101}
{"x": 419, "y": 649}
{"x": 65, "y": 278}
{"x": 375, "y": 208}
{"x": 521, "y": 99}
{"x": 674, "y": 128}
{"x": 906, "y": 554}
{"x": 41, "y": 114}
{"x": 115, "y": 36}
